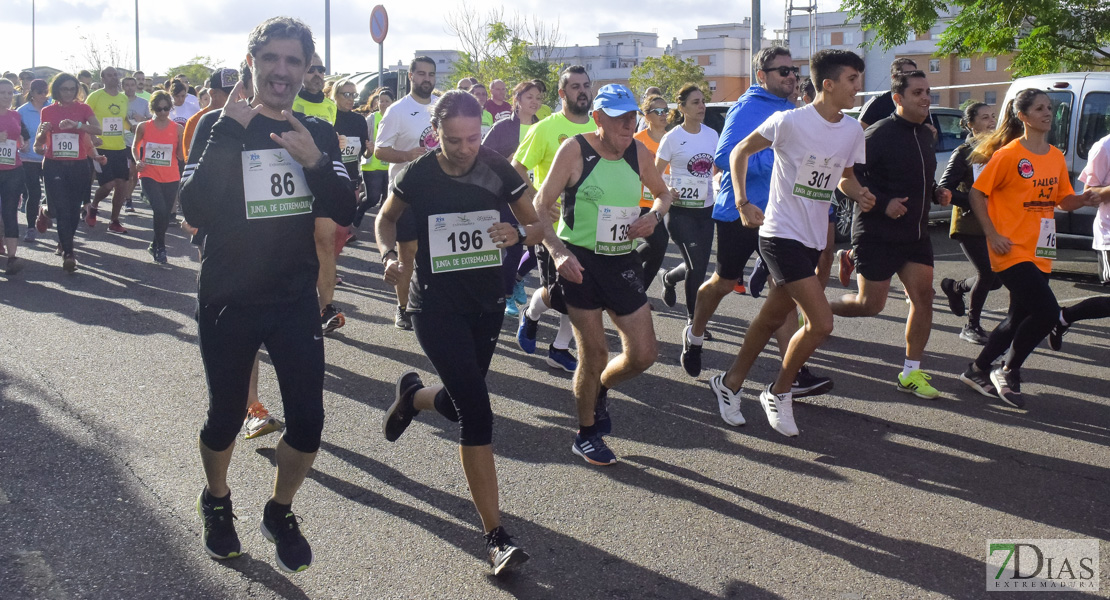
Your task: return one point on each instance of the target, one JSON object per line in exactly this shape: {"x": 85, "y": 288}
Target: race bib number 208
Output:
{"x": 274, "y": 185}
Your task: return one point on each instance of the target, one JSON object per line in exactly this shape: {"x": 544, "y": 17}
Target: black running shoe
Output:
{"x": 1007, "y": 385}
{"x": 602, "y": 420}
{"x": 396, "y": 420}
{"x": 284, "y": 530}
{"x": 669, "y": 294}
{"x": 978, "y": 380}
{"x": 219, "y": 537}
{"x": 955, "y": 297}
{"x": 331, "y": 319}
{"x": 503, "y": 554}
{"x": 808, "y": 384}
{"x": 691, "y": 355}
{"x": 402, "y": 319}
{"x": 1056, "y": 336}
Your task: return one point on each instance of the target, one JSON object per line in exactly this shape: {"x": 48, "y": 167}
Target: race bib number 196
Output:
{"x": 274, "y": 185}
{"x": 458, "y": 241}
{"x": 817, "y": 176}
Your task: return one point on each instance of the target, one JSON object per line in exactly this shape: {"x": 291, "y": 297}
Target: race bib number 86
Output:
{"x": 274, "y": 185}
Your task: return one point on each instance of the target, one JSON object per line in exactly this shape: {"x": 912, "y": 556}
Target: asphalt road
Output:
{"x": 882, "y": 496}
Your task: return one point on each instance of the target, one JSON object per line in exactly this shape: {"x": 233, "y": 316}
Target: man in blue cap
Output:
{"x": 600, "y": 175}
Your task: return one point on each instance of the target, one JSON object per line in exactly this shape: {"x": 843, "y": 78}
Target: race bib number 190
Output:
{"x": 458, "y": 241}
{"x": 64, "y": 145}
{"x": 274, "y": 185}
{"x": 817, "y": 177}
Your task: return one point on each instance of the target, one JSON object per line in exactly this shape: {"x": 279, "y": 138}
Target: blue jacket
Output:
{"x": 749, "y": 112}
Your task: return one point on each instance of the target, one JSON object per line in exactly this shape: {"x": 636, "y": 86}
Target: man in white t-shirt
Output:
{"x": 794, "y": 229}
{"x": 404, "y": 135}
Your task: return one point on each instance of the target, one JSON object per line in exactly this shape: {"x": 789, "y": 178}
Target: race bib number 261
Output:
{"x": 274, "y": 185}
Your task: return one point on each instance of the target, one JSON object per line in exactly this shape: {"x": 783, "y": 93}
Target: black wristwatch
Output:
{"x": 385, "y": 257}
{"x": 658, "y": 217}
{"x": 322, "y": 163}
{"x": 521, "y": 233}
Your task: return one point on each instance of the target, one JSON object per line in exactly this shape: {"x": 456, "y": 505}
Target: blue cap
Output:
{"x": 615, "y": 100}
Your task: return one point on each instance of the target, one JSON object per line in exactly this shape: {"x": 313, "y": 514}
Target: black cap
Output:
{"x": 223, "y": 79}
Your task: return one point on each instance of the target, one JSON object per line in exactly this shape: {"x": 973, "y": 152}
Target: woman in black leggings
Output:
{"x": 456, "y": 299}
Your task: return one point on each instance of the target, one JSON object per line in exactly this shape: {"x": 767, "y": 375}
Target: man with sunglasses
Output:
{"x": 220, "y": 83}
{"x": 311, "y": 99}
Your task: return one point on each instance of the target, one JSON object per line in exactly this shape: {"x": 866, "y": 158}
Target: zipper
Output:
{"x": 924, "y": 186}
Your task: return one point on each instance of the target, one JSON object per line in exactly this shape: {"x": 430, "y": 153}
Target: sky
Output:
{"x": 172, "y": 33}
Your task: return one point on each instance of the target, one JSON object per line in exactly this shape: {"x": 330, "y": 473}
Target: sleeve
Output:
{"x": 1097, "y": 171}
{"x": 498, "y": 137}
{"x": 87, "y": 112}
{"x": 400, "y": 184}
{"x": 514, "y": 185}
{"x": 531, "y": 150}
{"x": 23, "y": 132}
{"x": 771, "y": 129}
{"x": 332, "y": 189}
{"x": 993, "y": 173}
{"x": 955, "y": 174}
{"x": 204, "y": 188}
{"x": 1064, "y": 189}
{"x": 873, "y": 145}
{"x": 388, "y": 130}
{"x": 873, "y": 111}
{"x": 665, "y": 151}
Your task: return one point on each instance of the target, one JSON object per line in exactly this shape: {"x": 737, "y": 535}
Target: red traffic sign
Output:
{"x": 379, "y": 23}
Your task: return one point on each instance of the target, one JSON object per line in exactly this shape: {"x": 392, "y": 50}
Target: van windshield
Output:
{"x": 1094, "y": 122}
{"x": 1061, "y": 122}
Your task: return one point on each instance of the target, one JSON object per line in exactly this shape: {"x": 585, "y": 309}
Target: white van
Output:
{"x": 1081, "y": 102}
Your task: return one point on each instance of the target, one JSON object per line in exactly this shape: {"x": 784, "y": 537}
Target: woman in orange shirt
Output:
{"x": 158, "y": 152}
{"x": 1014, "y": 198}
{"x": 653, "y": 248}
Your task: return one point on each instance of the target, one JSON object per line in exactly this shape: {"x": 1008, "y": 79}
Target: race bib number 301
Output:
{"x": 274, "y": 185}
{"x": 612, "y": 229}
{"x": 458, "y": 241}
{"x": 817, "y": 177}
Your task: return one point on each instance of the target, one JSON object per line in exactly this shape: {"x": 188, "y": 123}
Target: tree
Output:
{"x": 98, "y": 53}
{"x": 1048, "y": 35}
{"x": 668, "y": 73}
{"x": 197, "y": 69}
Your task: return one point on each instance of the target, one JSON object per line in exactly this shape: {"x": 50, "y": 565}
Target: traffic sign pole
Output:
{"x": 379, "y": 26}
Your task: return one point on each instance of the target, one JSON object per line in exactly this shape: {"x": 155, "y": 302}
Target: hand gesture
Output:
{"x": 503, "y": 235}
{"x": 392, "y": 271}
{"x": 298, "y": 143}
{"x": 239, "y": 108}
{"x": 68, "y": 124}
{"x": 944, "y": 196}
{"x": 866, "y": 200}
{"x": 896, "y": 208}
{"x": 751, "y": 216}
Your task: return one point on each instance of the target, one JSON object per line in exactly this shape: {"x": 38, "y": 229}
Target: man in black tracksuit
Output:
{"x": 893, "y": 237}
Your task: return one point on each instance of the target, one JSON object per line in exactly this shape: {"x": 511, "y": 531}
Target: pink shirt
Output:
{"x": 9, "y": 124}
{"x": 55, "y": 114}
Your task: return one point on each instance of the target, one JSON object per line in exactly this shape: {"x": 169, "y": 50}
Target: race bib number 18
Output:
{"x": 612, "y": 229}
{"x": 817, "y": 177}
{"x": 274, "y": 185}
{"x": 458, "y": 241}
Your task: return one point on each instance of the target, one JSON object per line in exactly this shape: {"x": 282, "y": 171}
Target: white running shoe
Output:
{"x": 780, "y": 411}
{"x": 727, "y": 401}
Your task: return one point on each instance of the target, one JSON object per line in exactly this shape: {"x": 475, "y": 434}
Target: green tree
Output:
{"x": 1048, "y": 35}
{"x": 197, "y": 69}
{"x": 668, "y": 73}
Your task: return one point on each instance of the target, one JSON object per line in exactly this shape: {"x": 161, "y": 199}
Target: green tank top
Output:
{"x": 374, "y": 164}
{"x": 598, "y": 210}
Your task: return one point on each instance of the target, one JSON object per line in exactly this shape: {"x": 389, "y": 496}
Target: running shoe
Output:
{"x": 978, "y": 380}
{"x": 30, "y": 236}
{"x": 1007, "y": 385}
{"x": 520, "y": 295}
{"x": 90, "y": 215}
{"x": 526, "y": 333}
{"x": 917, "y": 384}
{"x": 1056, "y": 336}
{"x": 691, "y": 354}
{"x": 974, "y": 334}
{"x": 284, "y": 530}
{"x": 503, "y": 554}
{"x": 740, "y": 289}
{"x": 259, "y": 422}
{"x": 400, "y": 414}
{"x": 561, "y": 358}
{"x": 128, "y": 206}
{"x": 331, "y": 319}
{"x": 758, "y": 278}
{"x": 69, "y": 263}
{"x": 511, "y": 309}
{"x": 219, "y": 537}
{"x": 808, "y": 384}
{"x": 780, "y": 411}
{"x": 402, "y": 319}
{"x": 14, "y": 266}
{"x": 602, "y": 420}
{"x": 116, "y": 227}
{"x": 728, "y": 401}
{"x": 42, "y": 222}
{"x": 57, "y": 249}
{"x": 847, "y": 267}
{"x": 955, "y": 297}
{"x": 160, "y": 255}
{"x": 593, "y": 450}
{"x": 669, "y": 294}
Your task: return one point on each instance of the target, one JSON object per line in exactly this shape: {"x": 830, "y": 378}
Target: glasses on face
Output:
{"x": 317, "y": 69}
{"x": 68, "y": 88}
{"x": 661, "y": 112}
{"x": 162, "y": 108}
{"x": 783, "y": 71}
{"x": 348, "y": 94}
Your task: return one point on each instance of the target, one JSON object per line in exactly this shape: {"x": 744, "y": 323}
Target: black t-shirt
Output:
{"x": 452, "y": 215}
{"x": 352, "y": 125}
{"x": 877, "y": 109}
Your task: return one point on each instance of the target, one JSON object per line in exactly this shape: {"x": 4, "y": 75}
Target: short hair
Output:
{"x": 157, "y": 95}
{"x": 108, "y": 67}
{"x": 479, "y": 85}
{"x": 245, "y": 73}
{"x": 901, "y": 81}
{"x": 129, "y": 78}
{"x": 421, "y": 59}
{"x": 58, "y": 81}
{"x": 808, "y": 89}
{"x": 896, "y": 66}
{"x": 828, "y": 63}
{"x": 5, "y": 80}
{"x": 282, "y": 28}
{"x": 339, "y": 85}
{"x": 84, "y": 73}
{"x": 765, "y": 56}
{"x": 463, "y": 81}
{"x": 175, "y": 87}
{"x": 26, "y": 75}
{"x": 455, "y": 103}
{"x": 564, "y": 77}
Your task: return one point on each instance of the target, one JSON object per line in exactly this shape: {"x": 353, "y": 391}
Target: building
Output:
{"x": 614, "y": 56}
{"x": 724, "y": 51}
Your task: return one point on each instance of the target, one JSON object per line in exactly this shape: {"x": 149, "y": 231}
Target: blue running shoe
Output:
{"x": 561, "y": 358}
{"x": 593, "y": 450}
{"x": 526, "y": 333}
{"x": 520, "y": 295}
{"x": 511, "y": 309}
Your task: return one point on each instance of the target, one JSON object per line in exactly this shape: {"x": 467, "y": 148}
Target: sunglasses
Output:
{"x": 783, "y": 71}
{"x": 662, "y": 112}
{"x": 317, "y": 69}
{"x": 67, "y": 88}
{"x": 348, "y": 94}
{"x": 162, "y": 108}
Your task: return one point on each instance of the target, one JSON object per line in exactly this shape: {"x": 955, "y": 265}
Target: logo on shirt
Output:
{"x": 414, "y": 114}
{"x": 429, "y": 139}
{"x": 440, "y": 224}
{"x": 279, "y": 158}
{"x": 255, "y": 163}
{"x": 591, "y": 192}
{"x": 114, "y": 109}
{"x": 1025, "y": 168}
{"x": 562, "y": 138}
{"x": 701, "y": 165}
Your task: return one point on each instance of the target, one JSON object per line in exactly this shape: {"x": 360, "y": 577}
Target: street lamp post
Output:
{"x": 137, "y": 35}
{"x": 32, "y": 36}
{"x": 327, "y": 36}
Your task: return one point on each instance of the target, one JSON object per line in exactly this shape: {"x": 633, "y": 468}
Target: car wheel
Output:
{"x": 844, "y": 213}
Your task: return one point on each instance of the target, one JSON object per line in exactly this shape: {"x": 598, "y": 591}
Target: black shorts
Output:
{"x": 788, "y": 260}
{"x": 549, "y": 278}
{"x": 879, "y": 261}
{"x": 408, "y": 230}
{"x": 735, "y": 245}
{"x": 117, "y": 167}
{"x": 608, "y": 282}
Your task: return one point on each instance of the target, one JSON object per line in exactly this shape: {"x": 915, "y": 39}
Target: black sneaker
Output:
{"x": 219, "y": 537}
{"x": 808, "y": 384}
{"x": 955, "y": 298}
{"x": 602, "y": 420}
{"x": 669, "y": 295}
{"x": 331, "y": 319}
{"x": 402, "y": 320}
{"x": 978, "y": 380}
{"x": 1007, "y": 385}
{"x": 973, "y": 332}
{"x": 284, "y": 530}
{"x": 1056, "y": 336}
{"x": 396, "y": 420}
{"x": 691, "y": 355}
{"x": 503, "y": 554}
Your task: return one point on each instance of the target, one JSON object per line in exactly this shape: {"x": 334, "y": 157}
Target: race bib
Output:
{"x": 113, "y": 126}
{"x": 1046, "y": 239}
{"x": 647, "y": 195}
{"x": 158, "y": 155}
{"x": 351, "y": 150}
{"x": 64, "y": 145}
{"x": 8, "y": 152}
{"x": 458, "y": 241}
{"x": 611, "y": 238}
{"x": 274, "y": 185}
{"x": 692, "y": 191}
{"x": 817, "y": 178}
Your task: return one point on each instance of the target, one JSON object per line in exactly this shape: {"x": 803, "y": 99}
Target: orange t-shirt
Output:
{"x": 191, "y": 129}
{"x": 1022, "y": 188}
{"x": 161, "y": 166}
{"x": 646, "y": 200}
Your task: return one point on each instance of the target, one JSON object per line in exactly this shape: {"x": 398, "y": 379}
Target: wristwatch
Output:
{"x": 658, "y": 217}
{"x": 385, "y": 257}
{"x": 521, "y": 233}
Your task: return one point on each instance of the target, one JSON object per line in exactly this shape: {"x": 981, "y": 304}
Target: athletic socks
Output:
{"x": 536, "y": 307}
{"x": 564, "y": 335}
{"x": 910, "y": 366}
{"x": 696, "y": 340}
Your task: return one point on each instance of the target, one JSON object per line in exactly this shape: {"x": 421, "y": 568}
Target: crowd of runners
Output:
{"x": 273, "y": 169}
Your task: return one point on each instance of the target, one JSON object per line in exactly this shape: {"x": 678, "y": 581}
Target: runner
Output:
{"x": 894, "y": 238}
{"x": 958, "y": 178}
{"x": 220, "y": 83}
{"x": 157, "y": 152}
{"x": 496, "y": 106}
{"x": 13, "y": 138}
{"x": 311, "y": 100}
{"x": 458, "y": 190}
{"x": 600, "y": 176}
{"x": 478, "y": 90}
{"x": 30, "y": 112}
{"x": 184, "y": 104}
{"x": 653, "y": 248}
{"x": 110, "y": 105}
{"x": 536, "y": 153}
{"x": 375, "y": 173}
{"x": 545, "y": 110}
{"x": 1014, "y": 197}
{"x": 141, "y": 79}
{"x": 795, "y": 227}
{"x": 138, "y": 110}
{"x": 258, "y": 277}
{"x": 65, "y": 169}
{"x": 404, "y": 135}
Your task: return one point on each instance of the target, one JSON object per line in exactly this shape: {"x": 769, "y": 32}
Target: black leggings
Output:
{"x": 230, "y": 337}
{"x": 461, "y": 348}
{"x": 1091, "y": 308}
{"x": 510, "y": 259}
{"x": 11, "y": 189}
{"x": 1032, "y": 315}
{"x": 32, "y": 180}
{"x": 692, "y": 230}
{"x": 67, "y": 186}
{"x": 160, "y": 196}
{"x": 652, "y": 250}
{"x": 984, "y": 281}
